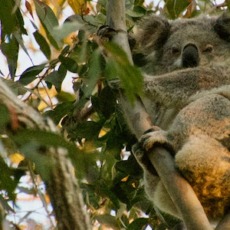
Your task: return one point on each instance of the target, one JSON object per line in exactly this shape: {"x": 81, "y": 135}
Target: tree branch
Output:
{"x": 178, "y": 188}
{"x": 62, "y": 186}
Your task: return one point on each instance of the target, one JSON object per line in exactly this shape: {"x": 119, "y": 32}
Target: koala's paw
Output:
{"x": 142, "y": 159}
{"x": 155, "y": 137}
{"x": 106, "y": 33}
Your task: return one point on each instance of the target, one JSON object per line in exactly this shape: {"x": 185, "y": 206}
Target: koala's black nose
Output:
{"x": 190, "y": 56}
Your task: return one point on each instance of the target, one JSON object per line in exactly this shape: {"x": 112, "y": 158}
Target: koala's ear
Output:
{"x": 152, "y": 33}
{"x": 222, "y": 26}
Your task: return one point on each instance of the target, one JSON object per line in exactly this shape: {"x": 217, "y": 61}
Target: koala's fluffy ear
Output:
{"x": 152, "y": 33}
{"x": 222, "y": 26}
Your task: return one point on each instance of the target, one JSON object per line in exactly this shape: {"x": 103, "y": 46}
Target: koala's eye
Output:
{"x": 175, "y": 50}
{"x": 208, "y": 49}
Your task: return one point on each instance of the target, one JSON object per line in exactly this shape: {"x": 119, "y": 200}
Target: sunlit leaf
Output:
{"x": 29, "y": 8}
{"x": 48, "y": 21}
{"x": 108, "y": 220}
{"x": 16, "y": 158}
{"x": 78, "y": 6}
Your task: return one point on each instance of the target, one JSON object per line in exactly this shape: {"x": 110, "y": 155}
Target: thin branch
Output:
{"x": 178, "y": 188}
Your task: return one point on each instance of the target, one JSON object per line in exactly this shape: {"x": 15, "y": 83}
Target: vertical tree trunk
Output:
{"x": 178, "y": 188}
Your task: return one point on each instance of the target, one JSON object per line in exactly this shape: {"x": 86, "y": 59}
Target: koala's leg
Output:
{"x": 154, "y": 188}
{"x": 179, "y": 226}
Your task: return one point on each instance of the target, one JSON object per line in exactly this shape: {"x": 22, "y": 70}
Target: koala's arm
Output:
{"x": 179, "y": 87}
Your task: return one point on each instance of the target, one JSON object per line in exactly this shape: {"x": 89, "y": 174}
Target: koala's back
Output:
{"x": 191, "y": 59}
{"x": 201, "y": 138}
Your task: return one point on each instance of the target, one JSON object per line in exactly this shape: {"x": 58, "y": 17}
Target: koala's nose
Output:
{"x": 190, "y": 56}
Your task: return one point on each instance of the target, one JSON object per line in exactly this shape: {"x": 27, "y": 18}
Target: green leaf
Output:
{"x": 8, "y": 20}
{"x": 44, "y": 46}
{"x": 56, "y": 77}
{"x": 11, "y": 19}
{"x": 108, "y": 220}
{"x": 102, "y": 105}
{"x": 30, "y": 74}
{"x": 176, "y": 7}
{"x": 42, "y": 138}
{"x": 94, "y": 73}
{"x": 67, "y": 28}
{"x": 5, "y": 117}
{"x": 10, "y": 50}
{"x": 48, "y": 21}
{"x": 16, "y": 87}
{"x": 69, "y": 63}
{"x": 136, "y": 12}
{"x": 6, "y": 181}
{"x": 59, "y": 111}
{"x": 86, "y": 129}
{"x": 119, "y": 66}
{"x": 138, "y": 224}
{"x": 20, "y": 41}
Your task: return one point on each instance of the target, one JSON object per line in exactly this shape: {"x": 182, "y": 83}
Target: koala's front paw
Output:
{"x": 155, "y": 137}
{"x": 106, "y": 33}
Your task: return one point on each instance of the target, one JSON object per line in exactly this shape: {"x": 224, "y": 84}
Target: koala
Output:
{"x": 187, "y": 95}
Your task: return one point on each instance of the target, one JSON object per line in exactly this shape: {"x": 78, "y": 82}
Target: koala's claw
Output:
{"x": 142, "y": 159}
{"x": 156, "y": 138}
{"x": 106, "y": 32}
{"x": 152, "y": 129}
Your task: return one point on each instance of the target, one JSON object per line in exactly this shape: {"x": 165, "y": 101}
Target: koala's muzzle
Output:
{"x": 190, "y": 56}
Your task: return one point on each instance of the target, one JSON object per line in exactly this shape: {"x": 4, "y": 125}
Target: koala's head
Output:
{"x": 182, "y": 43}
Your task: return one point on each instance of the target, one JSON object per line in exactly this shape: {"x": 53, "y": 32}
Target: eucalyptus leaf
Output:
{"x": 138, "y": 224}
{"x": 10, "y": 50}
{"x": 120, "y": 67}
{"x": 44, "y": 46}
{"x": 60, "y": 32}
{"x": 93, "y": 74}
{"x": 48, "y": 21}
{"x": 30, "y": 74}
{"x": 56, "y": 77}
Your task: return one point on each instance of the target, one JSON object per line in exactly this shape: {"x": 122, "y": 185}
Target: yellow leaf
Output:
{"x": 61, "y": 2}
{"x": 78, "y": 6}
{"x": 16, "y": 158}
{"x": 125, "y": 179}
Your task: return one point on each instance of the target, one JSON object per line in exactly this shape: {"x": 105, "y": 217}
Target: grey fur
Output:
{"x": 190, "y": 105}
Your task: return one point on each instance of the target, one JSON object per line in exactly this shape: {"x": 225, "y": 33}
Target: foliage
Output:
{"x": 94, "y": 130}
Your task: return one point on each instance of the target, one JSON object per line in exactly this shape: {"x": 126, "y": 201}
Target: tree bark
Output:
{"x": 178, "y": 188}
{"x": 61, "y": 184}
